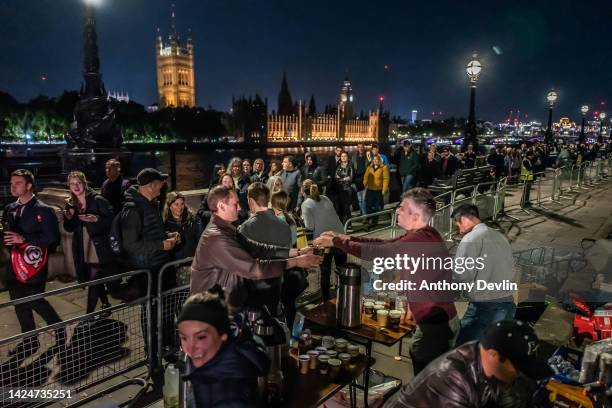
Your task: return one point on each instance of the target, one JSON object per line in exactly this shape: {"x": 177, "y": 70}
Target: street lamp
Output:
{"x": 584, "y": 109}
{"x": 472, "y": 69}
{"x": 602, "y": 116}
{"x": 551, "y": 98}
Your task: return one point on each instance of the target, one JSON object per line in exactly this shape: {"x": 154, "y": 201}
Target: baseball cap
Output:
{"x": 149, "y": 175}
{"x": 517, "y": 342}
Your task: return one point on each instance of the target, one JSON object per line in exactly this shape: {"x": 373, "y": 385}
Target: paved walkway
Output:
{"x": 559, "y": 226}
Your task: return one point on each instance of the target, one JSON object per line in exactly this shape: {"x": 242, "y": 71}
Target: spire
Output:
{"x": 91, "y": 74}
{"x": 285, "y": 105}
{"x": 312, "y": 107}
{"x": 173, "y": 21}
{"x": 173, "y": 37}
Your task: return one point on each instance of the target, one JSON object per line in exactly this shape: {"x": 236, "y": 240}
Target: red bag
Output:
{"x": 28, "y": 260}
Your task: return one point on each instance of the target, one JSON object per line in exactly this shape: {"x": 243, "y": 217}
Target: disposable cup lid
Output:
{"x": 304, "y": 357}
{"x": 334, "y": 362}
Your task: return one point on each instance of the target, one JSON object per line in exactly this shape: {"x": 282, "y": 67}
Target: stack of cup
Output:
{"x": 314, "y": 358}
{"x": 345, "y": 358}
{"x": 334, "y": 367}
{"x": 304, "y": 363}
{"x": 323, "y": 363}
{"x": 340, "y": 345}
{"x": 328, "y": 342}
{"x": 353, "y": 350}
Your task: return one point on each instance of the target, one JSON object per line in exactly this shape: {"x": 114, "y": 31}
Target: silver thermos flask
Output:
{"x": 348, "y": 302}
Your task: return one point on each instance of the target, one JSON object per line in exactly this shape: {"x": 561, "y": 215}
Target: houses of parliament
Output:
{"x": 296, "y": 122}
{"x": 250, "y": 121}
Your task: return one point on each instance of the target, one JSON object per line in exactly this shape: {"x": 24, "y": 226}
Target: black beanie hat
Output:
{"x": 206, "y": 308}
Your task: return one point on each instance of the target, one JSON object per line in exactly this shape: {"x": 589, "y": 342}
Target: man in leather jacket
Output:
{"x": 478, "y": 373}
{"x": 221, "y": 259}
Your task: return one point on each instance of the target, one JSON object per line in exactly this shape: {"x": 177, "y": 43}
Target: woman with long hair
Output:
{"x": 241, "y": 184}
{"x": 89, "y": 217}
{"x": 275, "y": 168}
{"x": 279, "y": 202}
{"x": 275, "y": 184}
{"x": 320, "y": 216}
{"x": 179, "y": 218}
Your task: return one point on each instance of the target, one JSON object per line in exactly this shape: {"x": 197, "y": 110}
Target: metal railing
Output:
{"x": 376, "y": 215}
{"x": 89, "y": 349}
{"x": 168, "y": 304}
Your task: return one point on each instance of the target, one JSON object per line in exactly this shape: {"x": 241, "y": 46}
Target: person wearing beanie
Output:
{"x": 224, "y": 361}
{"x": 478, "y": 373}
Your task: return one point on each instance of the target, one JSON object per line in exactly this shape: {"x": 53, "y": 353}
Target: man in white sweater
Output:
{"x": 484, "y": 258}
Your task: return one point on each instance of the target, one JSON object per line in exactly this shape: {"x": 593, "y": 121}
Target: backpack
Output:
{"x": 116, "y": 234}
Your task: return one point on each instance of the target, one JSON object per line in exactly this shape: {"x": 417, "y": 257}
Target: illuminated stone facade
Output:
{"x": 325, "y": 128}
{"x": 175, "y": 70}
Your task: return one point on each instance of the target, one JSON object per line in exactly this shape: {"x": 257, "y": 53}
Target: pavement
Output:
{"x": 561, "y": 226}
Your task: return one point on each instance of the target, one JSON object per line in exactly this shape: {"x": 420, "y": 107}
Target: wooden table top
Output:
{"x": 325, "y": 315}
{"x": 314, "y": 388}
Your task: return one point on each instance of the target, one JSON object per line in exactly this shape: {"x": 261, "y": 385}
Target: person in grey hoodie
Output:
{"x": 292, "y": 180}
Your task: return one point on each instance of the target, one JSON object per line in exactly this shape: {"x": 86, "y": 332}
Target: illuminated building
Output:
{"x": 175, "y": 72}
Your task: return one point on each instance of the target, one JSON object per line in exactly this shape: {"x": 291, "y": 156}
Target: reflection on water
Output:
{"x": 194, "y": 169}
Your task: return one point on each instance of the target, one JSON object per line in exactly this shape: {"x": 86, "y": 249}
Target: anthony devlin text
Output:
{"x": 443, "y": 285}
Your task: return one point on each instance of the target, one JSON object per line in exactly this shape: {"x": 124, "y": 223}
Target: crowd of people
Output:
{"x": 244, "y": 242}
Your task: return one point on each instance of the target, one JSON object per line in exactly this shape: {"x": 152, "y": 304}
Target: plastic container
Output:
{"x": 171, "y": 387}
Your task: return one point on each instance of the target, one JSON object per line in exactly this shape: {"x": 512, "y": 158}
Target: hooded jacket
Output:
{"x": 143, "y": 231}
{"x": 229, "y": 380}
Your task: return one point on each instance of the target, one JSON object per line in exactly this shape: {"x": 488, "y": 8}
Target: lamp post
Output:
{"x": 472, "y": 69}
{"x": 602, "y": 117}
{"x": 551, "y": 98}
{"x": 584, "y": 109}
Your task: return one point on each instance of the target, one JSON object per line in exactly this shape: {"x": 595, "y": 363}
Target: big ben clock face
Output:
{"x": 351, "y": 98}
{"x": 343, "y": 98}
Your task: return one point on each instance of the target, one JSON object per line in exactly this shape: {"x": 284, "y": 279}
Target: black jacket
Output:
{"x": 143, "y": 231}
{"x": 229, "y": 380}
{"x": 451, "y": 167}
{"x": 453, "y": 380}
{"x": 98, "y": 231}
{"x": 38, "y": 224}
{"x": 114, "y": 192}
{"x": 190, "y": 231}
{"x": 341, "y": 173}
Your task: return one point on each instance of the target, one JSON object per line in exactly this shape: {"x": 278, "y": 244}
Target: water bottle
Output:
{"x": 171, "y": 387}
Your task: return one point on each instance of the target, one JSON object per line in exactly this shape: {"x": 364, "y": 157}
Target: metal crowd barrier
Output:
{"x": 98, "y": 346}
{"x": 169, "y": 303}
{"x": 388, "y": 211}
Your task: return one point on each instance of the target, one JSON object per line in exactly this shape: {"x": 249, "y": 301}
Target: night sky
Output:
{"x": 243, "y": 47}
